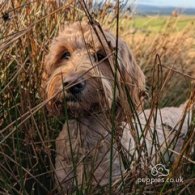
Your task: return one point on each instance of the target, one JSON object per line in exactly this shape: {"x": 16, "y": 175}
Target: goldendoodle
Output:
{"x": 92, "y": 79}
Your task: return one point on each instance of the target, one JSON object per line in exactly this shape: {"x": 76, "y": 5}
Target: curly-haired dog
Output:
{"x": 79, "y": 81}
{"x": 79, "y": 75}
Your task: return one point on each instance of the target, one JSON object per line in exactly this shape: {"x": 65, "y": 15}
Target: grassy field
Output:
{"x": 28, "y": 132}
{"x": 157, "y": 23}
{"x": 164, "y": 35}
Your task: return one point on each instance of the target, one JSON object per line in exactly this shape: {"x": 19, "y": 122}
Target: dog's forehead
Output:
{"x": 78, "y": 39}
{"x": 79, "y": 36}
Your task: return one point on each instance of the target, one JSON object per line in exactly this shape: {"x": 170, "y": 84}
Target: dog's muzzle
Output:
{"x": 75, "y": 88}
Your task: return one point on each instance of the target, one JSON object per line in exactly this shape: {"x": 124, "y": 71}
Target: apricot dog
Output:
{"x": 88, "y": 76}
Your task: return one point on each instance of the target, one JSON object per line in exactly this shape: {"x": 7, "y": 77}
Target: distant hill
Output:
{"x": 162, "y": 10}
{"x": 143, "y": 9}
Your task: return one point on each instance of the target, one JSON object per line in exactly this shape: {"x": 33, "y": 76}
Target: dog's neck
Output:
{"x": 87, "y": 140}
{"x": 94, "y": 126}
{"x": 103, "y": 120}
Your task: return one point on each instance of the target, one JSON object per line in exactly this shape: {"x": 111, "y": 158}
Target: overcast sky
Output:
{"x": 175, "y": 3}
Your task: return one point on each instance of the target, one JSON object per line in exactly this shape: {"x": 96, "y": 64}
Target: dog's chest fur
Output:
{"x": 85, "y": 144}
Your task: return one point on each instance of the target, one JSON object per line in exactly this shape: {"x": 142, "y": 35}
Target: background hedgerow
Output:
{"x": 164, "y": 47}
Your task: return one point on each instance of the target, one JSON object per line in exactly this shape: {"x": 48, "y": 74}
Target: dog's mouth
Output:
{"x": 68, "y": 104}
{"x": 72, "y": 99}
{"x": 68, "y": 101}
{"x": 73, "y": 106}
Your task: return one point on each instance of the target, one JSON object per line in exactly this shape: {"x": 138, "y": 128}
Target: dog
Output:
{"x": 93, "y": 80}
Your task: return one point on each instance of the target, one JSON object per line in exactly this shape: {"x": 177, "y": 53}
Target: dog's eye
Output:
{"x": 65, "y": 55}
{"x": 99, "y": 56}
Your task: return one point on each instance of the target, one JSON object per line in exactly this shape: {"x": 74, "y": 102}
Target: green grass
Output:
{"x": 155, "y": 24}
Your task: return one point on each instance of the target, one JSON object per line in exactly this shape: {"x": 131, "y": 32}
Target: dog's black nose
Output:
{"x": 75, "y": 88}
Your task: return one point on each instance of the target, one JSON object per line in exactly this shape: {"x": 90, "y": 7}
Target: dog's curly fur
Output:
{"x": 82, "y": 58}
{"x": 86, "y": 45}
{"x": 78, "y": 81}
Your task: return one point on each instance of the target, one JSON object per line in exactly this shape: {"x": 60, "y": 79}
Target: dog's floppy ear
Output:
{"x": 131, "y": 75}
{"x": 49, "y": 63}
{"x": 131, "y": 80}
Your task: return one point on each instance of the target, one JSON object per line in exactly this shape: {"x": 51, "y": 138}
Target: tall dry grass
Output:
{"x": 28, "y": 133}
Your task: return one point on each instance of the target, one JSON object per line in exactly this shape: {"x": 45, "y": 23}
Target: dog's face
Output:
{"x": 79, "y": 71}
